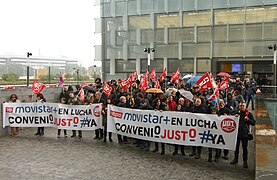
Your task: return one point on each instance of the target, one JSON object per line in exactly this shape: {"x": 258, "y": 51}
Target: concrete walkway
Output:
{"x": 31, "y": 157}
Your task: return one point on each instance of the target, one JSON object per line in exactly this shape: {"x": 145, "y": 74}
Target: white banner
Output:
{"x": 61, "y": 116}
{"x": 175, "y": 127}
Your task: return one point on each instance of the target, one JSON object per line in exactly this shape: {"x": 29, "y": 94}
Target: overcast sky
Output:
{"x": 49, "y": 28}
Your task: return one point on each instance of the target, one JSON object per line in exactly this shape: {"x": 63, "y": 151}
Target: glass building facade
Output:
{"x": 196, "y": 35}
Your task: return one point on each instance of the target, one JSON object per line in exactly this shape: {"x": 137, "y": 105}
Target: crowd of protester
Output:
{"x": 232, "y": 101}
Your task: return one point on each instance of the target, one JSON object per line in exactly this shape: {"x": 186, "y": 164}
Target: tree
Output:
{"x": 10, "y": 77}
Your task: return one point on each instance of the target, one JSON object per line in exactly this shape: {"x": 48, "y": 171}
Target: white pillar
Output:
{"x": 138, "y": 65}
{"x": 112, "y": 66}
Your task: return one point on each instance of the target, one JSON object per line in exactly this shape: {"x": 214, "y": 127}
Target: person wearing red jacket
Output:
{"x": 171, "y": 103}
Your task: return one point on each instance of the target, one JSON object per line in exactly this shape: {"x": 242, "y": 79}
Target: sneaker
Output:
{"x": 95, "y": 137}
{"x": 79, "y": 136}
{"x": 225, "y": 157}
{"x": 41, "y": 134}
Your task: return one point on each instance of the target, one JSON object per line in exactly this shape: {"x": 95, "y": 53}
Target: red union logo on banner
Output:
{"x": 116, "y": 114}
{"x": 9, "y": 109}
{"x": 228, "y": 125}
{"x": 96, "y": 111}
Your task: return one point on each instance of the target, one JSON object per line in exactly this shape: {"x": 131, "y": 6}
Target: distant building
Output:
{"x": 195, "y": 35}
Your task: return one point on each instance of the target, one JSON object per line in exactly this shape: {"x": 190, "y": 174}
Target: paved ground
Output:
{"x": 31, "y": 157}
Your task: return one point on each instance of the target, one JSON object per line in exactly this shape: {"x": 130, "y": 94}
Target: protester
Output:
{"x": 41, "y": 99}
{"x": 74, "y": 100}
{"x": 246, "y": 119}
{"x": 62, "y": 101}
{"x": 210, "y": 150}
{"x": 14, "y": 130}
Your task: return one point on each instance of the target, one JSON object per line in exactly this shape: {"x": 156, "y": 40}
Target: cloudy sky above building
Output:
{"x": 51, "y": 28}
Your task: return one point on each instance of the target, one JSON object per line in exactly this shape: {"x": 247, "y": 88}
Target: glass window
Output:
{"x": 219, "y": 49}
{"x": 189, "y": 50}
{"x": 204, "y": 34}
{"x": 106, "y": 10}
{"x": 159, "y": 36}
{"x": 168, "y": 20}
{"x": 204, "y": 4}
{"x": 125, "y": 66}
{"x": 132, "y": 7}
{"x": 120, "y": 8}
{"x": 120, "y": 36}
{"x": 185, "y": 65}
{"x": 254, "y": 2}
{"x": 136, "y": 51}
{"x": 254, "y": 48}
{"x": 269, "y": 2}
{"x": 107, "y": 65}
{"x": 234, "y": 49}
{"x": 236, "y": 3}
{"x": 253, "y": 32}
{"x": 197, "y": 18}
{"x": 146, "y": 6}
{"x": 142, "y": 22}
{"x": 114, "y": 23}
{"x": 174, "y": 5}
{"x": 147, "y": 36}
{"x": 220, "y": 33}
{"x": 236, "y": 32}
{"x": 158, "y": 5}
{"x": 156, "y": 63}
{"x": 132, "y": 37}
{"x": 203, "y": 65}
{"x": 234, "y": 16}
{"x": 169, "y": 51}
{"x": 270, "y": 31}
{"x": 183, "y": 35}
{"x": 188, "y": 5}
{"x": 203, "y": 50}
{"x": 266, "y": 51}
{"x": 254, "y": 15}
{"x": 220, "y": 3}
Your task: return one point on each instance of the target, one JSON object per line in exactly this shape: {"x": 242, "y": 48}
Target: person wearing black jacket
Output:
{"x": 181, "y": 108}
{"x": 158, "y": 107}
{"x": 197, "y": 108}
{"x": 122, "y": 103}
{"x": 246, "y": 119}
{"x": 223, "y": 110}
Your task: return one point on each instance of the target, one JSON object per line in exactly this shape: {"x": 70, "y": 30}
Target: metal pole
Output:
{"x": 49, "y": 74}
{"x": 149, "y": 57}
{"x": 28, "y": 75}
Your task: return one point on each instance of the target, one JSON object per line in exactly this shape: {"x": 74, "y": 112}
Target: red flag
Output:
{"x": 143, "y": 83}
{"x": 107, "y": 89}
{"x": 157, "y": 85}
{"x": 215, "y": 94}
{"x": 147, "y": 74}
{"x": 134, "y": 76}
{"x": 204, "y": 82}
{"x": 175, "y": 76}
{"x": 163, "y": 75}
{"x": 37, "y": 87}
{"x": 212, "y": 81}
{"x": 224, "y": 84}
{"x": 123, "y": 84}
{"x": 82, "y": 95}
{"x": 153, "y": 74}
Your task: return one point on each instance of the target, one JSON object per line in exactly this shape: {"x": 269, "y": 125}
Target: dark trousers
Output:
{"x": 64, "y": 131}
{"x": 99, "y": 133}
{"x": 244, "y": 142}
{"x": 177, "y": 147}
{"x": 217, "y": 152}
{"x": 157, "y": 146}
{"x": 121, "y": 138}
{"x": 248, "y": 99}
{"x": 40, "y": 130}
{"x": 225, "y": 152}
{"x": 74, "y": 132}
{"x": 196, "y": 150}
{"x": 105, "y": 133}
